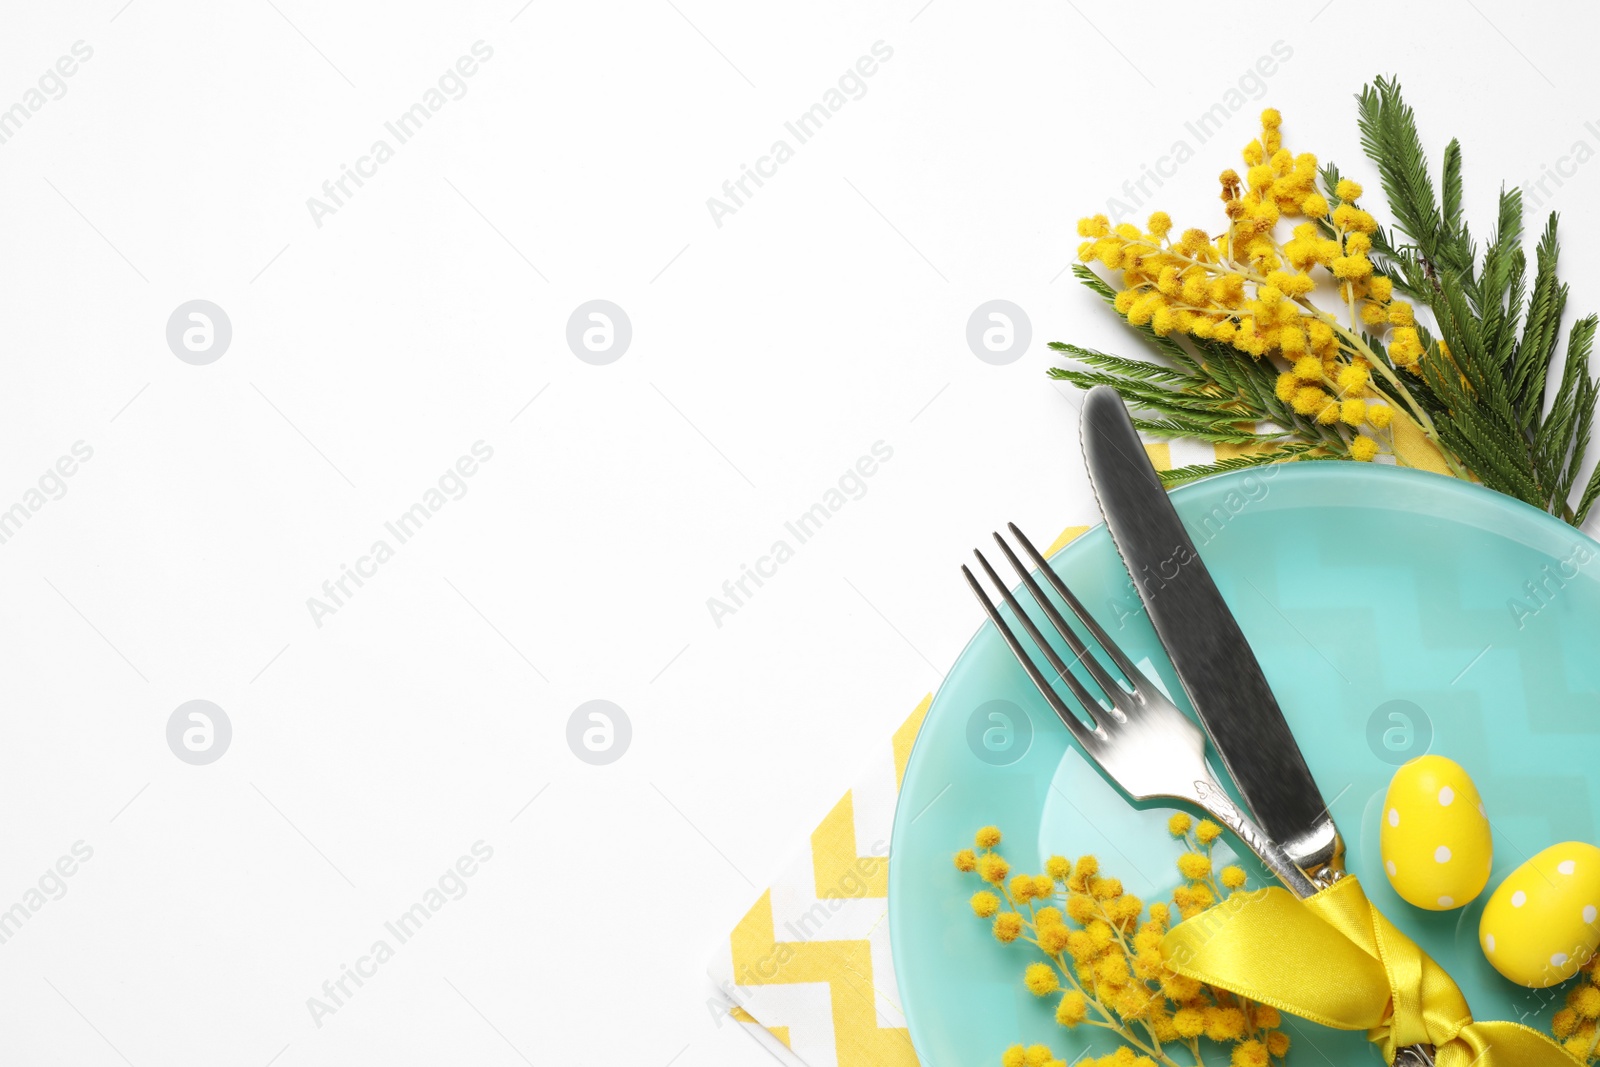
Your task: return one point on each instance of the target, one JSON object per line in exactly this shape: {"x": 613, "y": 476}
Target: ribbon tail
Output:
{"x": 1502, "y": 1044}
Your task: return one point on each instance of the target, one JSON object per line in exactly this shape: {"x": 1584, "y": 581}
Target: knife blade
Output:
{"x": 1209, "y": 652}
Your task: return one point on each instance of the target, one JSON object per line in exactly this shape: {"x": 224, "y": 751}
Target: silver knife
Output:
{"x": 1213, "y": 660}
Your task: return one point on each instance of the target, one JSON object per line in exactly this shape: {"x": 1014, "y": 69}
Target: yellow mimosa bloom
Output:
{"x": 1105, "y": 888}
{"x": 1072, "y": 1009}
{"x": 1224, "y": 1024}
{"x": 1352, "y": 267}
{"x": 1308, "y": 368}
{"x": 1353, "y": 377}
{"x": 992, "y": 868}
{"x": 1308, "y": 400}
{"x": 1405, "y": 347}
{"x": 1250, "y": 1053}
{"x": 1041, "y": 980}
{"x": 1194, "y": 242}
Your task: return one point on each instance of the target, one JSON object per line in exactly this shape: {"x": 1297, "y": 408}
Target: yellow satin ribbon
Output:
{"x": 1335, "y": 960}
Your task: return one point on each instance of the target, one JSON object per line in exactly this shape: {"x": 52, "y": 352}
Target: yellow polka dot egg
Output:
{"x": 1542, "y": 923}
{"x": 1435, "y": 839}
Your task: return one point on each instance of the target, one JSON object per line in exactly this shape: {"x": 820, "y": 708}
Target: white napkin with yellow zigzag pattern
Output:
{"x": 807, "y": 970}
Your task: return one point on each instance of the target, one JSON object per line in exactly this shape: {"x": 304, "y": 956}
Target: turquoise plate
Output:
{"x": 1394, "y": 613}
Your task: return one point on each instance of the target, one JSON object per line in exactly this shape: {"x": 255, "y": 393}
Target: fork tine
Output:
{"x": 1090, "y": 704}
{"x": 1090, "y": 739}
{"x": 1120, "y": 698}
{"x": 1057, "y": 664}
{"x": 1102, "y": 638}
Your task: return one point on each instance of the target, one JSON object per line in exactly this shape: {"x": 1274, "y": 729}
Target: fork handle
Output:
{"x": 1211, "y": 796}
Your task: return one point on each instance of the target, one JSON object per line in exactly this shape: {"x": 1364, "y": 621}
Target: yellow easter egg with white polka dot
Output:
{"x": 1543, "y": 922}
{"x": 1435, "y": 840}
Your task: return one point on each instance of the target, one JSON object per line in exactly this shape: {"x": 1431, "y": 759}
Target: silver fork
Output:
{"x": 1139, "y": 738}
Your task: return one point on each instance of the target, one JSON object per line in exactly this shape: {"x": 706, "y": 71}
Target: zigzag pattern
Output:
{"x": 844, "y": 966}
{"x": 840, "y": 875}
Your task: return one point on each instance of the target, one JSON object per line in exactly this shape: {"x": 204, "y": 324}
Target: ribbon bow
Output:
{"x": 1335, "y": 960}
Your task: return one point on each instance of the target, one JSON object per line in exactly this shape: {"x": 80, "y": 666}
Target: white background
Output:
{"x": 768, "y": 354}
